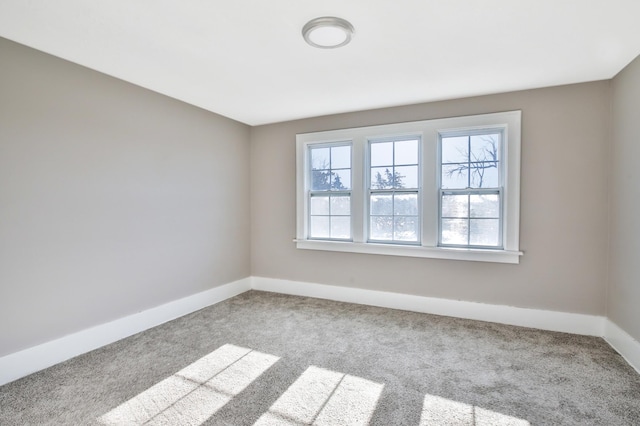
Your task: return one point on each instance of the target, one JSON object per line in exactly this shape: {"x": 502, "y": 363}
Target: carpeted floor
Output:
{"x": 273, "y": 359}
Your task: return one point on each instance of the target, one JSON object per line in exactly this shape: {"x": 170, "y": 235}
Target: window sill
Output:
{"x": 474, "y": 255}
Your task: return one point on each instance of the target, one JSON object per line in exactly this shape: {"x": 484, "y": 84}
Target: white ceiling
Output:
{"x": 247, "y": 60}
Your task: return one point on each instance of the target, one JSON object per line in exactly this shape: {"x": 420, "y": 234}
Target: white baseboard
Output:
{"x": 20, "y": 364}
{"x": 622, "y": 342}
{"x": 589, "y": 325}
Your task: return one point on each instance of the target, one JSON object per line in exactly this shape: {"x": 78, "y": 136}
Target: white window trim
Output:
{"x": 428, "y": 131}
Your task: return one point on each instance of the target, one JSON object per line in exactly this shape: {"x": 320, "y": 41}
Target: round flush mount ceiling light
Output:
{"x": 327, "y": 32}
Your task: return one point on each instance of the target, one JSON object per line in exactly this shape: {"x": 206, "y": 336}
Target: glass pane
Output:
{"x": 406, "y": 152}
{"x": 405, "y": 204}
{"x": 321, "y": 180}
{"x": 381, "y": 228}
{"x": 340, "y": 206}
{"x": 382, "y": 154}
{"x": 340, "y": 227}
{"x": 381, "y": 204}
{"x": 406, "y": 177}
{"x": 319, "y": 227}
{"x": 341, "y": 157}
{"x": 455, "y": 176}
{"x": 320, "y": 158}
{"x": 487, "y": 205}
{"x": 455, "y": 231}
{"x": 485, "y": 232}
{"x": 382, "y": 177}
{"x": 484, "y": 175}
{"x": 319, "y": 205}
{"x": 455, "y": 206}
{"x": 455, "y": 150}
{"x": 485, "y": 147}
{"x": 405, "y": 228}
{"x": 341, "y": 179}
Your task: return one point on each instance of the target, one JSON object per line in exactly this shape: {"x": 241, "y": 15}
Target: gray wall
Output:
{"x": 623, "y": 306}
{"x": 563, "y": 208}
{"x": 113, "y": 199}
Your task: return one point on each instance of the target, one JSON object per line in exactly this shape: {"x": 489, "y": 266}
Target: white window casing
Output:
{"x": 429, "y": 133}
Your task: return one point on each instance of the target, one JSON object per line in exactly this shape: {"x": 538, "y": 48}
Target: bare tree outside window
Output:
{"x": 478, "y": 162}
{"x": 470, "y": 203}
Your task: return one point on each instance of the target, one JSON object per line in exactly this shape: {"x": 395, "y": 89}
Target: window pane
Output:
{"x": 455, "y": 150}
{"x": 321, "y": 180}
{"x": 406, "y": 152}
{"x": 406, "y": 204}
{"x": 485, "y": 147}
{"x": 340, "y": 206}
{"x": 484, "y": 175}
{"x": 382, "y": 177}
{"x": 455, "y": 205}
{"x": 381, "y": 228}
{"x": 455, "y": 231}
{"x": 381, "y": 204}
{"x": 485, "y": 206}
{"x": 455, "y": 176}
{"x": 320, "y": 158}
{"x": 405, "y": 228}
{"x": 319, "y": 205}
{"x": 382, "y": 154}
{"x": 485, "y": 232}
{"x": 340, "y": 227}
{"x": 406, "y": 177}
{"x": 341, "y": 157}
{"x": 319, "y": 227}
{"x": 341, "y": 179}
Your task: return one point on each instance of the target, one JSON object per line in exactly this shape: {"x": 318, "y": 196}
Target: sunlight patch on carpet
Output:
{"x": 438, "y": 411}
{"x": 195, "y": 393}
{"x": 324, "y": 397}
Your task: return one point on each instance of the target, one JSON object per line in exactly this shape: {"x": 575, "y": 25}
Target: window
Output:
{"x": 330, "y": 192}
{"x": 393, "y": 191}
{"x": 445, "y": 188}
{"x": 470, "y": 189}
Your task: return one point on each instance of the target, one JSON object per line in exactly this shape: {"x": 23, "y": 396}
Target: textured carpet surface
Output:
{"x": 274, "y": 359}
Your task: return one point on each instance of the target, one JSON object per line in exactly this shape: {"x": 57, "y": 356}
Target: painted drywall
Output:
{"x": 113, "y": 199}
{"x": 563, "y": 207}
{"x": 623, "y": 298}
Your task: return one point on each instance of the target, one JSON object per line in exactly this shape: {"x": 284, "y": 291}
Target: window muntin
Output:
{"x": 470, "y": 170}
{"x": 394, "y": 168}
{"x": 329, "y": 196}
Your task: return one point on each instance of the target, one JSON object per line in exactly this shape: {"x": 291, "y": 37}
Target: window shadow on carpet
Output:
{"x": 318, "y": 396}
{"x": 196, "y": 392}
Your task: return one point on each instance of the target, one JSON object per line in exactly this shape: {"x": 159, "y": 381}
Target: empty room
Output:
{"x": 332, "y": 213}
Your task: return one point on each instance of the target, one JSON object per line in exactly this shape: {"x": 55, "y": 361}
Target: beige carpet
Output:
{"x": 269, "y": 359}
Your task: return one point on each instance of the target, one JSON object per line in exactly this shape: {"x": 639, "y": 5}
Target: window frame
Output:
{"x": 429, "y": 133}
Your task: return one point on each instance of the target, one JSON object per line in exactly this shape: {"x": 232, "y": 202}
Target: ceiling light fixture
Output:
{"x": 327, "y": 32}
